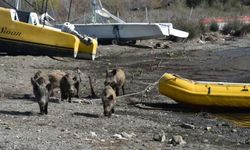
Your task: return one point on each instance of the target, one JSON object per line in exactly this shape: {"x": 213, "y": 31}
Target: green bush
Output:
{"x": 194, "y": 28}
{"x": 245, "y": 29}
{"x": 213, "y": 27}
{"x": 193, "y": 3}
{"x": 233, "y": 28}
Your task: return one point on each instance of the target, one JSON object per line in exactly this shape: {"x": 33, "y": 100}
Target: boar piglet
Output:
{"x": 41, "y": 93}
{"x": 52, "y": 79}
{"x": 108, "y": 101}
{"x": 69, "y": 86}
{"x": 116, "y": 79}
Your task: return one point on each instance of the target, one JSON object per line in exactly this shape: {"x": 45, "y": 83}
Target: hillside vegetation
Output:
{"x": 184, "y": 14}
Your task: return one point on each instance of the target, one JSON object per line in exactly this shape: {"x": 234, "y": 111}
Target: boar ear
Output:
{"x": 111, "y": 97}
{"x": 32, "y": 80}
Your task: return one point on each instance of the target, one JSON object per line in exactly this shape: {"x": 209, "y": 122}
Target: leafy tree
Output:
{"x": 193, "y": 3}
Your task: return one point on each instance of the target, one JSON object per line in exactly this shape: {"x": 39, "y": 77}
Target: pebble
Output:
{"x": 126, "y": 135}
{"x": 119, "y": 137}
{"x": 93, "y": 134}
{"x": 177, "y": 140}
{"x": 234, "y": 130}
{"x": 247, "y": 141}
{"x": 76, "y": 135}
{"x": 64, "y": 130}
{"x": 8, "y": 128}
{"x": 187, "y": 126}
{"x": 161, "y": 137}
{"x": 208, "y": 128}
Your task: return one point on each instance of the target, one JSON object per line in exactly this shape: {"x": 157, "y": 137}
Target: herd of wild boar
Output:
{"x": 44, "y": 83}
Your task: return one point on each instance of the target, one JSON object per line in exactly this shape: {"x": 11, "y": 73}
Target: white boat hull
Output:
{"x": 128, "y": 31}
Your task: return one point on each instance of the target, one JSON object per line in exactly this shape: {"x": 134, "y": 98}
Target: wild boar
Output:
{"x": 41, "y": 93}
{"x": 78, "y": 80}
{"x": 116, "y": 79}
{"x": 108, "y": 100}
{"x": 69, "y": 86}
{"x": 52, "y": 79}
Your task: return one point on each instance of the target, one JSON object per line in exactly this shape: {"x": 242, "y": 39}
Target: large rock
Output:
{"x": 177, "y": 140}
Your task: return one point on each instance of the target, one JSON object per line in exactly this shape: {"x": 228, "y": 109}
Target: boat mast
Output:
{"x": 69, "y": 10}
{"x": 93, "y": 11}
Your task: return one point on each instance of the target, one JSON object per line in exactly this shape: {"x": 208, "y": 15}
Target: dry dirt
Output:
{"x": 142, "y": 115}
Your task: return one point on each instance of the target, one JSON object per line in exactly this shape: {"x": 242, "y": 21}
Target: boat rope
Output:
{"x": 45, "y": 11}
{"x": 146, "y": 90}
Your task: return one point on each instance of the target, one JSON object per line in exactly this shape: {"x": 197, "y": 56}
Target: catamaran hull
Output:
{"x": 128, "y": 31}
{"x": 14, "y": 48}
{"x": 20, "y": 37}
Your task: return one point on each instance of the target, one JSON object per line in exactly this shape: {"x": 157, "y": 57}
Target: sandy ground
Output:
{"x": 142, "y": 116}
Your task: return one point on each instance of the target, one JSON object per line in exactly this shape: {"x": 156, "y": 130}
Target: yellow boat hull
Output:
{"x": 30, "y": 39}
{"x": 191, "y": 92}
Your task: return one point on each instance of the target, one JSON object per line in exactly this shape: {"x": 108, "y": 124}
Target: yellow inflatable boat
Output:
{"x": 21, "y": 33}
{"x": 191, "y": 92}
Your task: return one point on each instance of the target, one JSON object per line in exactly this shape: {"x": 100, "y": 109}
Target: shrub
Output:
{"x": 233, "y": 28}
{"x": 194, "y": 28}
{"x": 245, "y": 29}
{"x": 213, "y": 27}
{"x": 193, "y": 3}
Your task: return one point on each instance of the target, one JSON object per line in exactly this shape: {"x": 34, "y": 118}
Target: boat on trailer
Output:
{"x": 216, "y": 94}
{"x": 21, "y": 33}
{"x": 107, "y": 27}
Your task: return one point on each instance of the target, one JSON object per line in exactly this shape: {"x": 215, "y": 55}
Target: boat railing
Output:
{"x": 26, "y": 17}
{"x": 13, "y": 14}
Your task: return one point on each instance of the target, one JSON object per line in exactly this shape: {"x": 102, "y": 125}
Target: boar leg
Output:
{"x": 41, "y": 109}
{"x": 77, "y": 89}
{"x": 46, "y": 108}
{"x": 113, "y": 110}
{"x": 63, "y": 95}
{"x": 69, "y": 95}
{"x": 123, "y": 91}
{"x": 117, "y": 90}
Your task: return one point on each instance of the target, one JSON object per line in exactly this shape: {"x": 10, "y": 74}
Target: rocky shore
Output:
{"x": 144, "y": 119}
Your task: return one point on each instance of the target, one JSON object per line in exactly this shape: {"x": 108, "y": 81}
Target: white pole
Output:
{"x": 17, "y": 4}
{"x": 191, "y": 12}
{"x": 146, "y": 11}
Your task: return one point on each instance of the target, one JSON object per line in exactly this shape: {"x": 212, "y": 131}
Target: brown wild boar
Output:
{"x": 116, "y": 79}
{"x": 41, "y": 93}
{"x": 69, "y": 86}
{"x": 78, "y": 80}
{"x": 108, "y": 100}
{"x": 52, "y": 79}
